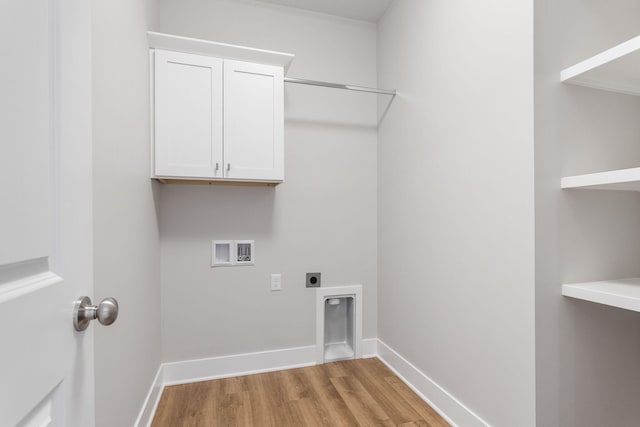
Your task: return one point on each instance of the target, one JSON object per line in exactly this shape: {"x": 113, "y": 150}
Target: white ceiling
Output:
{"x": 364, "y": 10}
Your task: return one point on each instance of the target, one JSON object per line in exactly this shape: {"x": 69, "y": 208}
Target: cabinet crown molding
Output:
{"x": 219, "y": 50}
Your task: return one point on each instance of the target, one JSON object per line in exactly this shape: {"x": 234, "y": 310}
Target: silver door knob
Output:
{"x": 83, "y": 312}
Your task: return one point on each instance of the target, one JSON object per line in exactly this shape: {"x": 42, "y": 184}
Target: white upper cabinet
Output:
{"x": 218, "y": 112}
{"x": 188, "y": 115}
{"x": 253, "y": 121}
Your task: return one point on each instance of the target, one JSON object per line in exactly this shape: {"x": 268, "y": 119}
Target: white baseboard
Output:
{"x": 275, "y": 360}
{"x": 249, "y": 363}
{"x": 151, "y": 402}
{"x": 450, "y": 408}
{"x": 369, "y": 348}
{"x": 212, "y": 368}
{"x": 189, "y": 371}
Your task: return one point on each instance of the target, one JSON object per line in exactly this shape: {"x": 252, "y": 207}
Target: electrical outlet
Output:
{"x": 276, "y": 282}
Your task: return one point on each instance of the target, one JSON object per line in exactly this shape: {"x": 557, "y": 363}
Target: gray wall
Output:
{"x": 455, "y": 208}
{"x": 454, "y": 221}
{"x": 322, "y": 218}
{"x": 126, "y": 253}
{"x": 587, "y": 355}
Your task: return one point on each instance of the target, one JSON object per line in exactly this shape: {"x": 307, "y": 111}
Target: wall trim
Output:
{"x": 188, "y": 371}
{"x": 212, "y": 368}
{"x": 443, "y": 402}
{"x": 152, "y": 400}
{"x": 369, "y": 348}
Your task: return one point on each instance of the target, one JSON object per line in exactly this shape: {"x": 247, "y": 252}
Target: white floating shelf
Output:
{"x": 615, "y": 70}
{"x": 621, "y": 180}
{"x": 220, "y": 50}
{"x": 623, "y": 293}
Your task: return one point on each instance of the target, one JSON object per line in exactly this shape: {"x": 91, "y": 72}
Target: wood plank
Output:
{"x": 336, "y": 369}
{"x": 426, "y": 412}
{"x": 232, "y": 409}
{"x": 262, "y": 403}
{"x": 342, "y": 394}
{"x": 393, "y": 404}
{"x": 364, "y": 408}
{"x": 230, "y": 385}
{"x": 312, "y": 413}
{"x": 192, "y": 401}
{"x": 292, "y": 385}
{"x": 419, "y": 423}
{"x": 334, "y": 410}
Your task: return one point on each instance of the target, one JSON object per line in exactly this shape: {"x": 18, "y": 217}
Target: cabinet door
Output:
{"x": 188, "y": 115}
{"x": 253, "y": 121}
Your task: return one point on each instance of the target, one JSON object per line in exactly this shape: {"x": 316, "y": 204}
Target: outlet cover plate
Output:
{"x": 276, "y": 282}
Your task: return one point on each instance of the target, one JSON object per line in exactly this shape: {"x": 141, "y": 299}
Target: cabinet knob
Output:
{"x": 217, "y": 166}
{"x": 228, "y": 167}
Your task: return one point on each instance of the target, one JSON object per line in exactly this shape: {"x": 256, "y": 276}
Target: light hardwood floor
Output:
{"x": 360, "y": 392}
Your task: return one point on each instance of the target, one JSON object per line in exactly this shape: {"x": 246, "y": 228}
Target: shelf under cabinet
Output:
{"x": 186, "y": 181}
{"x": 622, "y": 293}
{"x": 616, "y": 69}
{"x": 621, "y": 180}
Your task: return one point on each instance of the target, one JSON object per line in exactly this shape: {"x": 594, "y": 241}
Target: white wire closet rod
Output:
{"x": 340, "y": 86}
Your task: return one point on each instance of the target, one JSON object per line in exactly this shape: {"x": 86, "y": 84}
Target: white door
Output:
{"x": 253, "y": 121}
{"x": 46, "y": 367}
{"x": 188, "y": 115}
